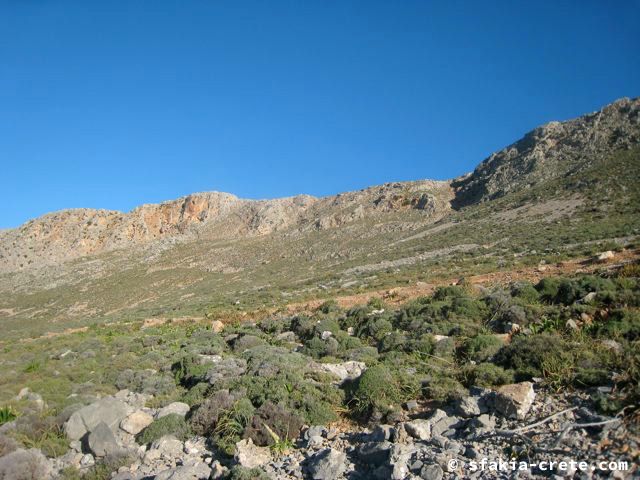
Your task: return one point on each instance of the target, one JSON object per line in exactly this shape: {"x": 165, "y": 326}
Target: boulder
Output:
{"x": 606, "y": 256}
{"x": 249, "y": 455}
{"x": 108, "y": 410}
{"x": 329, "y": 464}
{"x": 419, "y": 429}
{"x": 515, "y": 400}
{"x": 469, "y": 406}
{"x": 346, "y": 371}
{"x": 29, "y": 396}
{"x": 374, "y": 453}
{"x": 399, "y": 460}
{"x": 217, "y": 326}
{"x": 136, "y": 422}
{"x": 194, "y": 470}
{"x": 178, "y": 408}
{"x": 431, "y": 472}
{"x": 22, "y": 463}
{"x": 102, "y": 441}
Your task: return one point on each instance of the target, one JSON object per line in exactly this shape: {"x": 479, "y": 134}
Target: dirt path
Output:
{"x": 398, "y": 295}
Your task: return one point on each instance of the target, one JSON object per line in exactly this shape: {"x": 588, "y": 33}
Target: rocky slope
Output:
{"x": 563, "y": 190}
{"x": 551, "y": 151}
{"x": 69, "y": 234}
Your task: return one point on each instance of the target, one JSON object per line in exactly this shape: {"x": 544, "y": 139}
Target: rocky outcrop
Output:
{"x": 69, "y": 234}
{"x": 551, "y": 151}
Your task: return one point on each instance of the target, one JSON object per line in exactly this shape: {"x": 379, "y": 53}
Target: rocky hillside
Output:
{"x": 69, "y": 234}
{"x": 447, "y": 386}
{"x": 551, "y": 151}
{"x": 566, "y": 190}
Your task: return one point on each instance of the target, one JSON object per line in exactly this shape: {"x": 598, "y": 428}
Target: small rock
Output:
{"x": 249, "y": 455}
{"x": 179, "y": 408}
{"x": 136, "y": 422}
{"x": 468, "y": 407}
{"x": 605, "y": 256}
{"x": 102, "y": 441}
{"x": 431, "y": 472}
{"x": 217, "y": 326}
{"x": 380, "y": 433}
{"x": 374, "y": 453}
{"x": 515, "y": 400}
{"x": 344, "y": 371}
{"x": 419, "y": 429}
{"x": 411, "y": 405}
{"x": 572, "y": 325}
{"x": 328, "y": 464}
{"x": 193, "y": 471}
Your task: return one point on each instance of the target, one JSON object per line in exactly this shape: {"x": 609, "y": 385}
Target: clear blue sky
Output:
{"x": 116, "y": 103}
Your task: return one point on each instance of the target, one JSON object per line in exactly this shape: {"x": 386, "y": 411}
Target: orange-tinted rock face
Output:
{"x": 69, "y": 234}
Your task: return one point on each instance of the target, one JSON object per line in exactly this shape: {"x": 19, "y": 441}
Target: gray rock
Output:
{"x": 102, "y": 441}
{"x": 483, "y": 422}
{"x": 374, "y": 453}
{"x": 442, "y": 423}
{"x": 108, "y": 410}
{"x": 411, "y": 405}
{"x": 431, "y": 472}
{"x": 380, "y": 433}
{"x": 346, "y": 371}
{"x": 35, "y": 398}
{"x": 419, "y": 429}
{"x": 167, "y": 447}
{"x": 329, "y": 464}
{"x": 286, "y": 337}
{"x": 249, "y": 455}
{"x": 315, "y": 431}
{"x": 226, "y": 368}
{"x": 469, "y": 407}
{"x": 399, "y": 460}
{"x": 14, "y": 465}
{"x": 178, "y": 408}
{"x": 195, "y": 470}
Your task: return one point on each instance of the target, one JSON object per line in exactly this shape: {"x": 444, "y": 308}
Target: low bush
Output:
{"x": 376, "y": 389}
{"x": 485, "y": 375}
{"x": 527, "y": 354}
{"x": 172, "y": 424}
{"x": 273, "y": 418}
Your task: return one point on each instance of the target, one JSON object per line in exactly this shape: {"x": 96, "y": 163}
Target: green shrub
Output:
{"x": 443, "y": 388}
{"x": 548, "y": 288}
{"x": 525, "y": 291}
{"x": 231, "y": 424}
{"x": 145, "y": 381}
{"x": 204, "y": 419}
{"x": 527, "y": 354}
{"x": 481, "y": 347}
{"x": 242, "y": 473}
{"x": 486, "y": 375}
{"x": 620, "y": 324}
{"x": 172, "y": 424}
{"x": 375, "y": 389}
{"x": 190, "y": 370}
{"x": 42, "y": 432}
{"x": 329, "y": 306}
{"x": 7, "y": 414}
